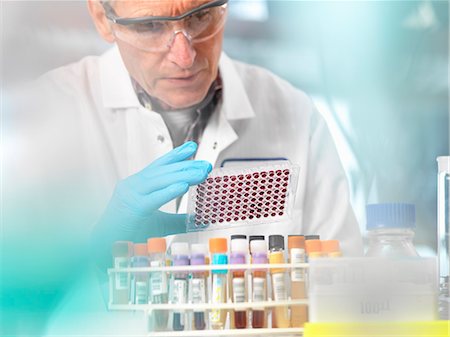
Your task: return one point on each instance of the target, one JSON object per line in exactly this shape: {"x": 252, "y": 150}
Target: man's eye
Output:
{"x": 202, "y": 15}
{"x": 148, "y": 27}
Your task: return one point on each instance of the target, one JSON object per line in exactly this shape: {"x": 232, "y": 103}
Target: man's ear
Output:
{"x": 101, "y": 22}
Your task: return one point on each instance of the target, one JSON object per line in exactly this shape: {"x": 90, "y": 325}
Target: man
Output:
{"x": 125, "y": 125}
{"x": 168, "y": 82}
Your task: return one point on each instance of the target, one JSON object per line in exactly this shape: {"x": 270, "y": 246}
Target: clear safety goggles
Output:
{"x": 157, "y": 33}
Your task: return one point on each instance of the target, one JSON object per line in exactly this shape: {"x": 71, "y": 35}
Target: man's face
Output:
{"x": 181, "y": 76}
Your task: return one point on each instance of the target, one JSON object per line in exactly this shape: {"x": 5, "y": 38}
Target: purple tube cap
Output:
{"x": 197, "y": 259}
{"x": 237, "y": 258}
{"x": 259, "y": 258}
{"x": 181, "y": 260}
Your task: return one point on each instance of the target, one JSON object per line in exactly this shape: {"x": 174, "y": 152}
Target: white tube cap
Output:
{"x": 239, "y": 246}
{"x": 258, "y": 246}
{"x": 199, "y": 248}
{"x": 179, "y": 248}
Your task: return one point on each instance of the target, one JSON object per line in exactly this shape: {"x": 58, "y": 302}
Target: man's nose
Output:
{"x": 181, "y": 51}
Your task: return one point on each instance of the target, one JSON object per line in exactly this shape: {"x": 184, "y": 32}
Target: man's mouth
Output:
{"x": 185, "y": 78}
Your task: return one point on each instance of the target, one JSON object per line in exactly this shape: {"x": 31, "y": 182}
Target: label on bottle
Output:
{"x": 279, "y": 287}
{"x": 238, "y": 291}
{"x": 198, "y": 291}
{"x": 122, "y": 279}
{"x": 258, "y": 289}
{"x": 297, "y": 256}
{"x": 217, "y": 297}
{"x": 179, "y": 295}
{"x": 158, "y": 280}
{"x": 141, "y": 289}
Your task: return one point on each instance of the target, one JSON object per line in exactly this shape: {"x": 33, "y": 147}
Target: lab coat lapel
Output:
{"x": 218, "y": 135}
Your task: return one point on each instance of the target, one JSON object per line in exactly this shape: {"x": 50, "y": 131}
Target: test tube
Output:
{"x": 258, "y": 254}
{"x": 280, "y": 315}
{"x": 259, "y": 289}
{"x": 197, "y": 285}
{"x": 296, "y": 247}
{"x": 179, "y": 283}
{"x": 239, "y": 255}
{"x": 238, "y": 290}
{"x": 218, "y": 249}
{"x": 158, "y": 293}
{"x": 121, "y": 252}
{"x": 140, "y": 279}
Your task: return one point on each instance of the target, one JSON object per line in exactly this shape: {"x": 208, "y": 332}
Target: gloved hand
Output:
{"x": 132, "y": 213}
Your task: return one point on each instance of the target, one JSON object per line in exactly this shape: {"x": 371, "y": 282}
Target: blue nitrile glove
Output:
{"x": 132, "y": 213}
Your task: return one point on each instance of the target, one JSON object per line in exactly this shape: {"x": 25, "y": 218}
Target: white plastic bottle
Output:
{"x": 391, "y": 230}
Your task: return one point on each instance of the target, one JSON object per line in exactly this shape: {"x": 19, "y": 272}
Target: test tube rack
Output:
{"x": 267, "y": 305}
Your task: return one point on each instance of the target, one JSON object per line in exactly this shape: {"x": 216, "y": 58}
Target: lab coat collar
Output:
{"x": 117, "y": 88}
{"x": 236, "y": 104}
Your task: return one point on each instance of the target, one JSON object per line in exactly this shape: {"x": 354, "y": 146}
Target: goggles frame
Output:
{"x": 111, "y": 15}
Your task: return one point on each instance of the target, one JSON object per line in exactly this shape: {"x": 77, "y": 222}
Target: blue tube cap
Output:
{"x": 220, "y": 259}
{"x": 392, "y": 215}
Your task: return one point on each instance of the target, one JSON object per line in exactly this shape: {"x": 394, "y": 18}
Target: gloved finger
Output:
{"x": 150, "y": 185}
{"x": 151, "y": 172}
{"x": 161, "y": 197}
{"x": 178, "y": 154}
{"x": 162, "y": 224}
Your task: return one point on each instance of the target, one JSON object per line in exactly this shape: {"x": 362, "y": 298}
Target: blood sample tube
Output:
{"x": 239, "y": 290}
{"x": 258, "y": 250}
{"x": 280, "y": 317}
{"x": 238, "y": 248}
{"x": 197, "y": 287}
{"x": 259, "y": 289}
{"x": 296, "y": 247}
{"x": 218, "y": 249}
{"x": 179, "y": 283}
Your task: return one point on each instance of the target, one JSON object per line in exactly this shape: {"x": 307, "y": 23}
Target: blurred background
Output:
{"x": 376, "y": 70}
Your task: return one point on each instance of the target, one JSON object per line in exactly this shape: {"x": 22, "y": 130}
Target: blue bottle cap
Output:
{"x": 392, "y": 215}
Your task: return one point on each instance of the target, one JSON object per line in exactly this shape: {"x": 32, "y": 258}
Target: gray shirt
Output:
{"x": 184, "y": 124}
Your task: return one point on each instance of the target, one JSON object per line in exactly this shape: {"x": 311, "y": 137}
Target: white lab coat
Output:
{"x": 261, "y": 116}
